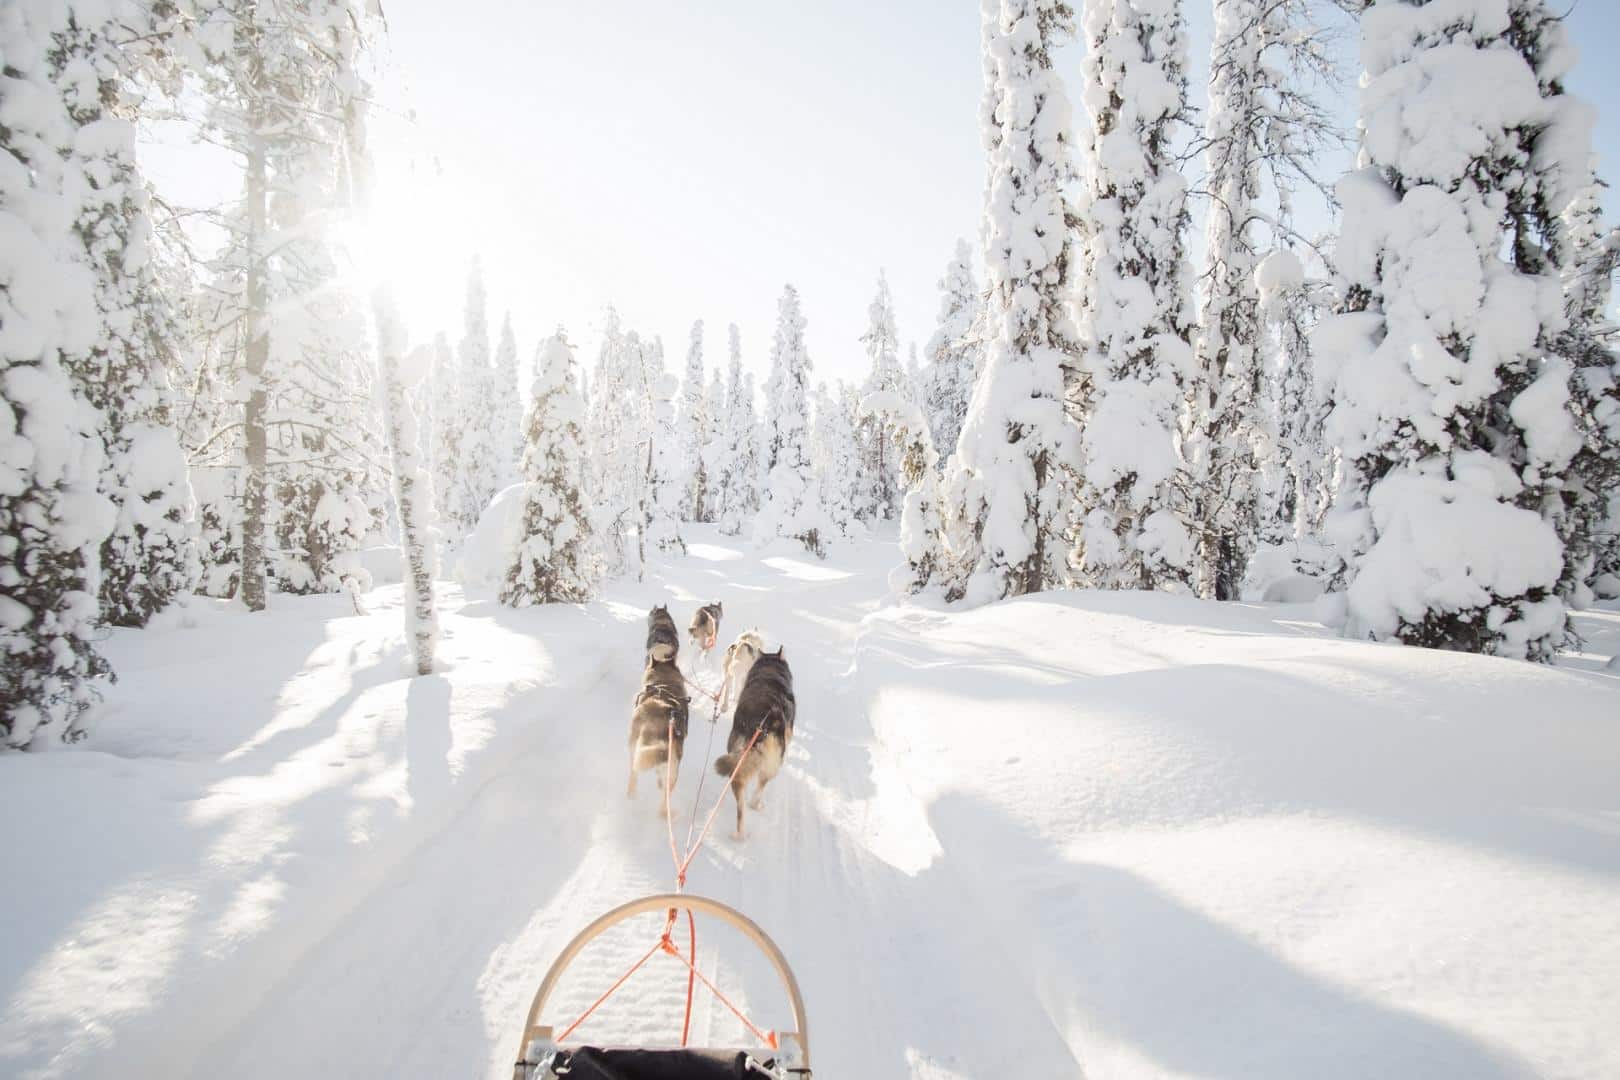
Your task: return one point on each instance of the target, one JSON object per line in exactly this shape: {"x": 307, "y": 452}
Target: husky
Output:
{"x": 662, "y": 700}
{"x": 705, "y": 627}
{"x": 740, "y": 656}
{"x": 663, "y": 640}
{"x": 766, "y": 706}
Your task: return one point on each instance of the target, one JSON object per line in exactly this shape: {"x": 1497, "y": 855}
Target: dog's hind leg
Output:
{"x": 737, "y": 793}
{"x": 758, "y": 801}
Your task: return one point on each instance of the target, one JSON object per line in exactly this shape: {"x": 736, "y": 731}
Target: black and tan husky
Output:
{"x": 766, "y": 706}
{"x": 658, "y": 725}
{"x": 663, "y": 640}
{"x": 705, "y": 627}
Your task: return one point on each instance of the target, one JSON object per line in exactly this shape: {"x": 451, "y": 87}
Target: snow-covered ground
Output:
{"x": 1116, "y": 834}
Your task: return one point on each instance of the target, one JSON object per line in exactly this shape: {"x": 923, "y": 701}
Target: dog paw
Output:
{"x": 739, "y": 836}
{"x": 756, "y": 804}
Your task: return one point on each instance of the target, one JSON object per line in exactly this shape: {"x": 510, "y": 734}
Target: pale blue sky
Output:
{"x": 684, "y": 160}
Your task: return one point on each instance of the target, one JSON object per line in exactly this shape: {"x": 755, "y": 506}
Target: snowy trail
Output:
{"x": 1113, "y": 835}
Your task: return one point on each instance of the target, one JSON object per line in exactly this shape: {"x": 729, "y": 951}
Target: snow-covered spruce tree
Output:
{"x": 478, "y": 466}
{"x": 52, "y": 520}
{"x": 282, "y": 87}
{"x": 1134, "y": 310}
{"x": 150, "y": 556}
{"x": 922, "y": 538}
{"x": 877, "y": 495}
{"x": 1006, "y": 497}
{"x": 1451, "y": 413}
{"x": 1569, "y": 218}
{"x": 506, "y": 421}
{"x": 953, "y": 351}
{"x": 663, "y": 484}
{"x": 615, "y": 463}
{"x": 836, "y": 457}
{"x": 1262, "y": 137}
{"x": 556, "y": 559}
{"x": 1295, "y": 462}
{"x": 445, "y": 437}
{"x": 712, "y": 450}
{"x": 691, "y": 421}
{"x": 396, "y": 374}
{"x": 739, "y": 466}
{"x": 324, "y": 448}
{"x": 789, "y": 508}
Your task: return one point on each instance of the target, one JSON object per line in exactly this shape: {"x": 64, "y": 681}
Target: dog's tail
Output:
{"x": 661, "y": 650}
{"x": 651, "y": 756}
{"x": 724, "y": 764}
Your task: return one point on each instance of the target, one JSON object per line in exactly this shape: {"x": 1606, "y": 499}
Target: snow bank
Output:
{"x": 488, "y": 552}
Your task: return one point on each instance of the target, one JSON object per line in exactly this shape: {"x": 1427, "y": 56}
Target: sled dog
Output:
{"x": 662, "y": 699}
{"x": 766, "y": 705}
{"x": 740, "y": 656}
{"x": 705, "y": 626}
{"x": 663, "y": 641}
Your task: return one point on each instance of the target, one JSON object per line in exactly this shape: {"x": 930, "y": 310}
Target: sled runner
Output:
{"x": 784, "y": 1056}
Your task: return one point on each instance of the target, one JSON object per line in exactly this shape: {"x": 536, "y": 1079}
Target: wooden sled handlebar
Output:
{"x": 663, "y": 902}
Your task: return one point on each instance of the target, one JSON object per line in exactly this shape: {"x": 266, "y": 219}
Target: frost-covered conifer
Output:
{"x": 877, "y": 493}
{"x": 52, "y": 520}
{"x": 740, "y": 465}
{"x": 789, "y": 508}
{"x": 615, "y": 462}
{"x": 556, "y": 560}
{"x": 397, "y": 373}
{"x": 713, "y": 449}
{"x": 285, "y": 93}
{"x": 1006, "y": 501}
{"x": 150, "y": 556}
{"x": 477, "y": 466}
{"x": 446, "y": 434}
{"x": 836, "y": 456}
{"x": 1295, "y": 463}
{"x": 1134, "y": 311}
{"x": 691, "y": 422}
{"x": 662, "y": 486}
{"x": 953, "y": 352}
{"x": 1262, "y": 134}
{"x": 922, "y": 539}
{"x": 506, "y": 422}
{"x": 1451, "y": 411}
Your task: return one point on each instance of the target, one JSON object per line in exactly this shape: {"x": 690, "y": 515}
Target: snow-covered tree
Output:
{"x": 284, "y": 91}
{"x": 877, "y": 494}
{"x": 663, "y": 483}
{"x": 413, "y": 506}
{"x": 739, "y": 492}
{"x": 836, "y": 456}
{"x": 477, "y": 466}
{"x": 1006, "y": 499}
{"x": 1450, "y": 407}
{"x": 1263, "y": 131}
{"x": 506, "y": 421}
{"x": 713, "y": 449}
{"x": 953, "y": 352}
{"x": 150, "y": 556}
{"x": 556, "y": 560}
{"x": 691, "y": 422}
{"x": 447, "y": 386}
{"x": 922, "y": 539}
{"x": 1134, "y": 311}
{"x": 52, "y": 520}
{"x": 615, "y": 463}
{"x": 1295, "y": 468}
{"x": 790, "y": 508}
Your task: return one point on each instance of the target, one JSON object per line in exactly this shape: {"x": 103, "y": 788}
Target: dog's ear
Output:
{"x": 781, "y": 652}
{"x": 718, "y": 609}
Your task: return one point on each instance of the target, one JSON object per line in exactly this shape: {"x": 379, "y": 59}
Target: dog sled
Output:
{"x": 784, "y": 1055}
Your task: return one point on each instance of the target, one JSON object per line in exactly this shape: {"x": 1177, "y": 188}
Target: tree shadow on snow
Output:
{"x": 1118, "y": 960}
